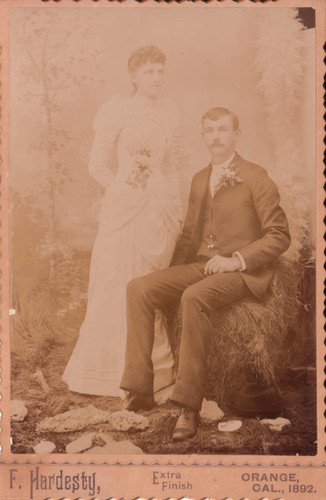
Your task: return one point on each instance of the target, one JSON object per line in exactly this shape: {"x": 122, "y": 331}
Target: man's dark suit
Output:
{"x": 247, "y": 218}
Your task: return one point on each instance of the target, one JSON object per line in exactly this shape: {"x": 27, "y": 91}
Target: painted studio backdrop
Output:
{"x": 64, "y": 64}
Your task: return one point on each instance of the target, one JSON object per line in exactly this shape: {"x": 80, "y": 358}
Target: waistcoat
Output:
{"x": 208, "y": 236}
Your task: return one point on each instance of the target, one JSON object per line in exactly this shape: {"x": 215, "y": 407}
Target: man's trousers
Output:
{"x": 200, "y": 295}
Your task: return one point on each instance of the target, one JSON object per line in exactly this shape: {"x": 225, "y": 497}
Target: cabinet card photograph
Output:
{"x": 162, "y": 327}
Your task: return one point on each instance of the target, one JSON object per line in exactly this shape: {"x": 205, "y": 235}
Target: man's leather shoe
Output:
{"x": 136, "y": 402}
{"x": 186, "y": 426}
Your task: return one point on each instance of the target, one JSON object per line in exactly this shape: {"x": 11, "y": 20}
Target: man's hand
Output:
{"x": 219, "y": 264}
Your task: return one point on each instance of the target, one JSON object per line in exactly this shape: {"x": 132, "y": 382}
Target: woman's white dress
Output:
{"x": 138, "y": 228}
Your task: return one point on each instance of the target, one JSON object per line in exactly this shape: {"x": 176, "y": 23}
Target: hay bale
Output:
{"x": 249, "y": 340}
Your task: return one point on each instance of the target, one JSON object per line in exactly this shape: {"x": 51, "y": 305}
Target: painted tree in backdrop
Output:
{"x": 59, "y": 58}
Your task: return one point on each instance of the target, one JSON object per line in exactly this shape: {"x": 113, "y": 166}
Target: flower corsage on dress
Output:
{"x": 141, "y": 168}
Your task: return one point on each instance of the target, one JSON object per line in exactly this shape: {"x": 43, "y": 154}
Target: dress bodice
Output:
{"x": 142, "y": 143}
{"x": 145, "y": 138}
{"x": 142, "y": 133}
{"x": 144, "y": 127}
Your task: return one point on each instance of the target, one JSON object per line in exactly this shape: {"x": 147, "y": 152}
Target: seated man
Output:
{"x": 233, "y": 233}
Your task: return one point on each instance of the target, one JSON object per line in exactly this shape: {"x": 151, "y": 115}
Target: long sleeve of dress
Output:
{"x": 107, "y": 125}
{"x": 173, "y": 163}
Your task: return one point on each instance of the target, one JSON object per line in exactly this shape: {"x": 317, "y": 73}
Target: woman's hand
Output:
{"x": 219, "y": 264}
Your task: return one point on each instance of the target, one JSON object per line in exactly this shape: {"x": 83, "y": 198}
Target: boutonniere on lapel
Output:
{"x": 230, "y": 177}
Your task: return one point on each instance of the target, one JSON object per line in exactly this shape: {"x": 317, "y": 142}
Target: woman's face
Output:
{"x": 148, "y": 79}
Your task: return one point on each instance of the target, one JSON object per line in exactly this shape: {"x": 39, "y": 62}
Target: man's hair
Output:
{"x": 149, "y": 53}
{"x": 217, "y": 113}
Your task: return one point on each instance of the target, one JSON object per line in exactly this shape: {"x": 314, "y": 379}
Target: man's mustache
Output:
{"x": 217, "y": 143}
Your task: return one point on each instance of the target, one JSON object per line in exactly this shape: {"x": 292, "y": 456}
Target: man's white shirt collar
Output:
{"x": 224, "y": 164}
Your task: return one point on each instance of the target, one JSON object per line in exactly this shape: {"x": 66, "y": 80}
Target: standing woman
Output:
{"x": 138, "y": 226}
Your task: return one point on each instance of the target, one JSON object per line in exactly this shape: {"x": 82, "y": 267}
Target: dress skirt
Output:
{"x": 135, "y": 244}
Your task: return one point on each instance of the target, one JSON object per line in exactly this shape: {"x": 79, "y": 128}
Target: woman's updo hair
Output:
{"x": 150, "y": 53}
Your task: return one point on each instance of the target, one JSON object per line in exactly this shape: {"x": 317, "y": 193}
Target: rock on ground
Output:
{"x": 81, "y": 444}
{"x": 88, "y": 440}
{"x": 125, "y": 420}
{"x": 276, "y": 424}
{"x": 38, "y": 377}
{"x": 18, "y": 410}
{"x": 211, "y": 411}
{"x": 44, "y": 447}
{"x": 229, "y": 426}
{"x": 117, "y": 448}
{"x": 74, "y": 420}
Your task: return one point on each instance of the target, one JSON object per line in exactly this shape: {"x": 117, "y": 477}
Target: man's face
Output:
{"x": 148, "y": 79}
{"x": 220, "y": 136}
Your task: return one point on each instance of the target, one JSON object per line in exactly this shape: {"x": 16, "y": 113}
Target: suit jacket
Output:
{"x": 247, "y": 218}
